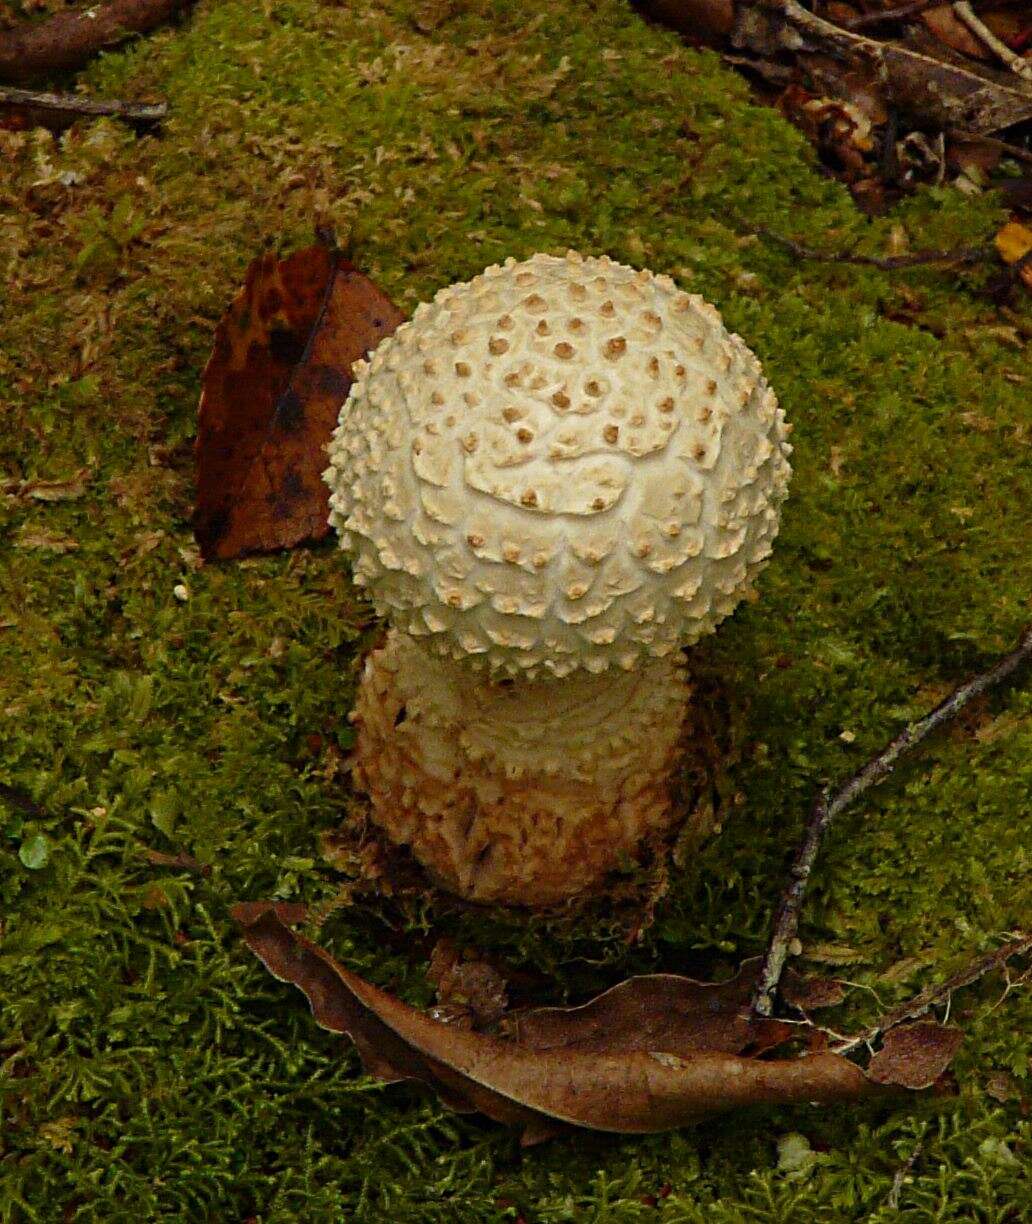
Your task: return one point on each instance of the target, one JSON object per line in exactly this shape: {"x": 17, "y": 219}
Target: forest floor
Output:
{"x": 150, "y": 1070}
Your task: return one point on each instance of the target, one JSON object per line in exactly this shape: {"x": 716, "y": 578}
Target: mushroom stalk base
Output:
{"x": 520, "y": 791}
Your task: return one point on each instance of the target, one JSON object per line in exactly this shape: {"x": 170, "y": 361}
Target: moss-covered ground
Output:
{"x": 149, "y": 1069}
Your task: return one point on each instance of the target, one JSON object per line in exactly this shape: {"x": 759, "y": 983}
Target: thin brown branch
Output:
{"x": 827, "y": 806}
{"x": 905, "y": 11}
{"x": 1016, "y": 63}
{"x": 69, "y": 40}
{"x": 932, "y": 996}
{"x": 904, "y": 1169}
{"x": 59, "y": 110}
{"x": 916, "y": 259}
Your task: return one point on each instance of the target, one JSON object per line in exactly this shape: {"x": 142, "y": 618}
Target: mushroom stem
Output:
{"x": 520, "y": 791}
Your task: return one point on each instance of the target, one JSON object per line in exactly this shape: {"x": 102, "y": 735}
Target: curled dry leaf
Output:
{"x": 915, "y": 1055}
{"x": 272, "y": 391}
{"x": 949, "y": 29}
{"x": 596, "y": 1067}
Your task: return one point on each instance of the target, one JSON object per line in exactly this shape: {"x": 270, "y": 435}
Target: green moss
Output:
{"x": 151, "y": 1070}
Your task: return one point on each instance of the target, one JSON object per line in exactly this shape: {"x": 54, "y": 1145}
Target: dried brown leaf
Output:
{"x": 48, "y": 541}
{"x": 915, "y": 1055}
{"x": 272, "y": 391}
{"x": 947, "y": 27}
{"x": 660, "y": 1011}
{"x": 1014, "y": 243}
{"x": 540, "y": 1090}
{"x": 181, "y": 861}
{"x": 835, "y": 954}
{"x": 700, "y": 21}
{"x": 1002, "y": 1087}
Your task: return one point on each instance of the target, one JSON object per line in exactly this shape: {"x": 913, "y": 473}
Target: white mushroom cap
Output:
{"x": 563, "y": 463}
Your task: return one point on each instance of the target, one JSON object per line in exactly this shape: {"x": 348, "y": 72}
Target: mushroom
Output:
{"x": 550, "y": 480}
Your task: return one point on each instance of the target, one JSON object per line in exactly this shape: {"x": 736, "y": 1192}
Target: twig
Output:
{"x": 903, "y": 13}
{"x": 966, "y": 255}
{"x": 65, "y": 108}
{"x": 827, "y": 806}
{"x": 68, "y": 40}
{"x": 901, "y": 1175}
{"x": 938, "y": 92}
{"x": 932, "y": 996}
{"x": 981, "y": 31}
{"x": 182, "y": 861}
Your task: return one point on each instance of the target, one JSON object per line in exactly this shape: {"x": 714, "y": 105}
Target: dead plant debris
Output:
{"x": 68, "y": 40}
{"x": 272, "y": 389}
{"x": 891, "y": 96}
{"x": 653, "y": 1053}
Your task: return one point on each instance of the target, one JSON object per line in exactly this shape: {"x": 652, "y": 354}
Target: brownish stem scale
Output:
{"x": 524, "y": 792}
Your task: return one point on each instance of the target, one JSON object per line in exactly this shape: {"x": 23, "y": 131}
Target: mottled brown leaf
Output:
{"x": 1002, "y": 1087}
{"x": 915, "y": 1055}
{"x": 659, "y": 1011}
{"x": 272, "y": 391}
{"x": 539, "y": 1090}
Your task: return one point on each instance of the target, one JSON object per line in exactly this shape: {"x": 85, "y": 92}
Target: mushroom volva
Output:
{"x": 549, "y": 481}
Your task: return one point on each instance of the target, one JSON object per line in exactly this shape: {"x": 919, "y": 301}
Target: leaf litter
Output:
{"x": 654, "y": 1052}
{"x": 271, "y": 393}
{"x": 891, "y": 97}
